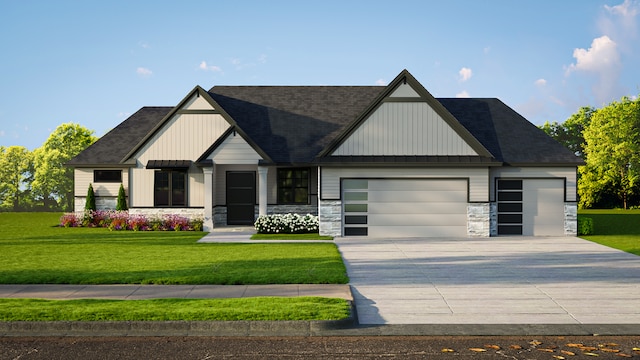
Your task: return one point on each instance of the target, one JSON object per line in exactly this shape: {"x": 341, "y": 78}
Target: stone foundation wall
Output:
{"x": 220, "y": 212}
{"x": 191, "y": 213}
{"x": 330, "y": 217}
{"x": 479, "y": 220}
{"x": 102, "y": 203}
{"x": 571, "y": 219}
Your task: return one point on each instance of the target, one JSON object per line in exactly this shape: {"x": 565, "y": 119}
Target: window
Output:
{"x": 170, "y": 188}
{"x": 293, "y": 186}
{"x": 107, "y": 176}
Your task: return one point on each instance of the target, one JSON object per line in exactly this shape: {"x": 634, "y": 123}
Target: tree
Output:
{"x": 53, "y": 181}
{"x": 570, "y": 132}
{"x": 121, "y": 205}
{"x": 15, "y": 175}
{"x": 612, "y": 153}
{"x": 90, "y": 203}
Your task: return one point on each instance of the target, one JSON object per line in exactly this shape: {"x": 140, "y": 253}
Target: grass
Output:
{"x": 312, "y": 236}
{"x": 619, "y": 229}
{"x": 253, "y": 309}
{"x": 36, "y": 251}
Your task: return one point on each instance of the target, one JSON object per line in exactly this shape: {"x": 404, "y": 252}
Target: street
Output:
{"x": 401, "y": 347}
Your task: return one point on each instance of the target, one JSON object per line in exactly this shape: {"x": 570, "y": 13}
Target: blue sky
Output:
{"x": 97, "y": 62}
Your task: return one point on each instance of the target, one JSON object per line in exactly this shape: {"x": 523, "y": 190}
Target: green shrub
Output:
{"x": 122, "y": 200}
{"x": 90, "y": 203}
{"x": 585, "y": 226}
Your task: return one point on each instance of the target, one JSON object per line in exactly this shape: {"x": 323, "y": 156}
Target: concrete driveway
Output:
{"x": 500, "y": 280}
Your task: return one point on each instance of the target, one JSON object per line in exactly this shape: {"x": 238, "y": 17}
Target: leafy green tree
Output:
{"x": 16, "y": 169}
{"x": 612, "y": 153}
{"x": 121, "y": 205}
{"x": 53, "y": 181}
{"x": 90, "y": 203}
{"x": 570, "y": 132}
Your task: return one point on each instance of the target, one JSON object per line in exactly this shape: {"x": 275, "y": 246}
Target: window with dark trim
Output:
{"x": 107, "y": 176}
{"x": 170, "y": 188}
{"x": 293, "y": 186}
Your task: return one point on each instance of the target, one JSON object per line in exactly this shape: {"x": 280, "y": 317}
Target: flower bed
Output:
{"x": 287, "y": 224}
{"x": 122, "y": 220}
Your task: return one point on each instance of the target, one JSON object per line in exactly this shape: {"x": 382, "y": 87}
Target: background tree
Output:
{"x": 612, "y": 153}
{"x": 570, "y": 132}
{"x": 53, "y": 182}
{"x": 121, "y": 205}
{"x": 15, "y": 176}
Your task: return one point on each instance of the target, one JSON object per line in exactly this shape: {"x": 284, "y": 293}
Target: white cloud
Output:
{"x": 628, "y": 9}
{"x": 601, "y": 60}
{"x": 602, "y": 56}
{"x": 381, "y": 82}
{"x": 619, "y": 22}
{"x": 262, "y": 58}
{"x": 123, "y": 115}
{"x": 144, "y": 45}
{"x": 463, "y": 94}
{"x": 487, "y": 49}
{"x": 144, "y": 72}
{"x": 540, "y": 82}
{"x": 2, "y": 133}
{"x": 465, "y": 74}
{"x": 206, "y": 67}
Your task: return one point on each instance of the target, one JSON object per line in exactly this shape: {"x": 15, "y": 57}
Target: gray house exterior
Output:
{"x": 376, "y": 161}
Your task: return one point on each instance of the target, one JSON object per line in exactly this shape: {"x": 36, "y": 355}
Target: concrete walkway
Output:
{"x": 501, "y": 280}
{"x": 140, "y": 292}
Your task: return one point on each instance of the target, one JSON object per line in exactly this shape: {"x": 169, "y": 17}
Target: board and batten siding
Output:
{"x": 183, "y": 137}
{"x": 478, "y": 177}
{"x": 568, "y": 173}
{"x": 84, "y": 176}
{"x": 234, "y": 150}
{"x": 404, "y": 128}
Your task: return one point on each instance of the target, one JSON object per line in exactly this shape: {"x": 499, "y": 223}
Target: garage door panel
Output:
{"x": 417, "y": 196}
{"x": 416, "y": 231}
{"x": 417, "y": 208}
{"x": 410, "y": 207}
{"x": 417, "y": 184}
{"x": 417, "y": 219}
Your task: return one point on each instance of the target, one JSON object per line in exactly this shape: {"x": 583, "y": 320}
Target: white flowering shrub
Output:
{"x": 287, "y": 224}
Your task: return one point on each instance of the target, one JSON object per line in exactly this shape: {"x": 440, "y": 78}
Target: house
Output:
{"x": 377, "y": 161}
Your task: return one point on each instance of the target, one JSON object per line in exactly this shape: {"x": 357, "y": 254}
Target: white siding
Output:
{"x": 234, "y": 150}
{"x": 404, "y": 90}
{"x": 478, "y": 178}
{"x": 404, "y": 128}
{"x": 141, "y": 188}
{"x": 568, "y": 173}
{"x": 197, "y": 103}
{"x": 83, "y": 177}
{"x": 184, "y": 137}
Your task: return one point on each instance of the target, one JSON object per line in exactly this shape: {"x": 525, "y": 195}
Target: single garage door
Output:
{"x": 533, "y": 207}
{"x": 404, "y": 207}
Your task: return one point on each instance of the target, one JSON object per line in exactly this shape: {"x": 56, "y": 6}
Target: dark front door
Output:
{"x": 241, "y": 197}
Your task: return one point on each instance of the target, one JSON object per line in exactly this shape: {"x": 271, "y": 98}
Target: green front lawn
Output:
{"x": 254, "y": 309}
{"x": 36, "y": 251}
{"x": 619, "y": 229}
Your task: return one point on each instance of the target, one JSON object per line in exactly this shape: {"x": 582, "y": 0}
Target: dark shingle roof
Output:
{"x": 111, "y": 148}
{"x": 506, "y": 134}
{"x": 294, "y": 123}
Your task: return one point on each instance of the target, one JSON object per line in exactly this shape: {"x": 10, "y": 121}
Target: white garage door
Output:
{"x": 533, "y": 207}
{"x": 405, "y": 207}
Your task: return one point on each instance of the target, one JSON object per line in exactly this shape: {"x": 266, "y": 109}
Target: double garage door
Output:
{"x": 405, "y": 207}
{"x": 396, "y": 208}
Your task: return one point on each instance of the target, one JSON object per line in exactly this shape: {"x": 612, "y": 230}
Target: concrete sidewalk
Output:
{"x": 140, "y": 292}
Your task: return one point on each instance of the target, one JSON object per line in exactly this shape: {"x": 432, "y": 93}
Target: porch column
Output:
{"x": 208, "y": 198}
{"x": 262, "y": 186}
